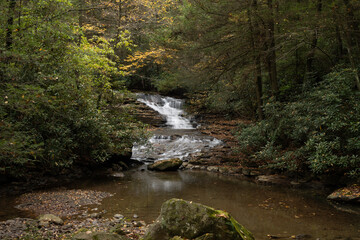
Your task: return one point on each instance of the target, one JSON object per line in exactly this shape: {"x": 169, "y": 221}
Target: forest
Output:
{"x": 291, "y": 67}
{"x": 265, "y": 104}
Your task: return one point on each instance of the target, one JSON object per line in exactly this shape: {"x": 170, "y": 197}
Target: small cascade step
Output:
{"x": 170, "y": 108}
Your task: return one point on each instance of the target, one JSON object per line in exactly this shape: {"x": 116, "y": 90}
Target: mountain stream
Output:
{"x": 267, "y": 211}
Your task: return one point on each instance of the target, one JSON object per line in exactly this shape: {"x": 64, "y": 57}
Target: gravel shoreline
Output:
{"x": 26, "y": 228}
{"x": 69, "y": 205}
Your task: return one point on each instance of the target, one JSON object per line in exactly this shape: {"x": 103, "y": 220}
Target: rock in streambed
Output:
{"x": 46, "y": 219}
{"x": 166, "y": 165}
{"x": 182, "y": 219}
{"x": 348, "y": 194}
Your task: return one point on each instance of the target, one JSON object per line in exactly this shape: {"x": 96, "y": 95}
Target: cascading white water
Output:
{"x": 177, "y": 142}
{"x": 161, "y": 147}
{"x": 170, "y": 108}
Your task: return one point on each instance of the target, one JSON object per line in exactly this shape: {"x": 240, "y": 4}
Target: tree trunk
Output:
{"x": 254, "y": 38}
{"x": 352, "y": 24}
{"x": 353, "y": 62}
{"x": 271, "y": 52}
{"x": 119, "y": 17}
{"x": 10, "y": 23}
{"x": 311, "y": 54}
{"x": 298, "y": 78}
{"x": 351, "y": 34}
{"x": 340, "y": 47}
{"x": 81, "y": 15}
{"x": 309, "y": 71}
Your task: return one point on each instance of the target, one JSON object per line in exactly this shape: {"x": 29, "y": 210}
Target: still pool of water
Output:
{"x": 264, "y": 210}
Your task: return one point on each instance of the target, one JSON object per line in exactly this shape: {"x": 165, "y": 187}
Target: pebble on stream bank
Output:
{"x": 60, "y": 203}
{"x": 25, "y": 228}
{"x": 66, "y": 203}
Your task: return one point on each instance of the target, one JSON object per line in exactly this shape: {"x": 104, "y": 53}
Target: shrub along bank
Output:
{"x": 318, "y": 132}
{"x": 57, "y": 104}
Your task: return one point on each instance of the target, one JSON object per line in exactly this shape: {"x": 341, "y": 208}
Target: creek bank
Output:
{"x": 60, "y": 202}
{"x": 26, "y": 228}
{"x": 226, "y": 160}
{"x": 78, "y": 212}
{"x": 178, "y": 218}
{"x": 35, "y": 180}
{"x": 37, "y": 177}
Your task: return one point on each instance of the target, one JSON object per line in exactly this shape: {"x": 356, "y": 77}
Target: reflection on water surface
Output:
{"x": 265, "y": 210}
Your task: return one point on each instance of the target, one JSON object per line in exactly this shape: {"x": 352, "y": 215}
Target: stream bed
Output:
{"x": 267, "y": 211}
{"x": 264, "y": 210}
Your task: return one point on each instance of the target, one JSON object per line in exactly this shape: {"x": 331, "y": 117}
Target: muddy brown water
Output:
{"x": 264, "y": 210}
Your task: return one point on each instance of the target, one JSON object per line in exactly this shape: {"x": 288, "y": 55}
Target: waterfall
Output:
{"x": 170, "y": 108}
{"x": 178, "y": 141}
{"x": 161, "y": 147}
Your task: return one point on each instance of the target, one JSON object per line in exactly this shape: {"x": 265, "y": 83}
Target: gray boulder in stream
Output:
{"x": 180, "y": 219}
{"x": 166, "y": 165}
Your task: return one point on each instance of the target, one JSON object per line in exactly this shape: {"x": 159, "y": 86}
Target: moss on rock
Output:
{"x": 166, "y": 165}
{"x": 195, "y": 221}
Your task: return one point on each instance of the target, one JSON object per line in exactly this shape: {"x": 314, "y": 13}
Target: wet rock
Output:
{"x": 118, "y": 229}
{"x": 189, "y": 166}
{"x": 246, "y": 171}
{"x": 184, "y": 165}
{"x": 197, "y": 167}
{"x": 44, "y": 224}
{"x": 119, "y": 216}
{"x": 118, "y": 175}
{"x": 223, "y": 170}
{"x": 273, "y": 179}
{"x": 46, "y": 219}
{"x": 192, "y": 220}
{"x": 234, "y": 170}
{"x": 119, "y": 220}
{"x": 139, "y": 224}
{"x": 255, "y": 173}
{"x": 147, "y": 115}
{"x": 298, "y": 183}
{"x": 96, "y": 215}
{"x": 166, "y": 165}
{"x": 347, "y": 194}
{"x": 212, "y": 169}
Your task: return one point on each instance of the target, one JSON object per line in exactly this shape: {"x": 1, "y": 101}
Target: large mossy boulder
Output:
{"x": 166, "y": 165}
{"x": 182, "y": 219}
